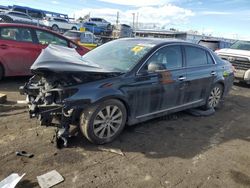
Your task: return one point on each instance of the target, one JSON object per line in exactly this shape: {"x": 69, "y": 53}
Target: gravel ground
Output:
{"x": 175, "y": 151}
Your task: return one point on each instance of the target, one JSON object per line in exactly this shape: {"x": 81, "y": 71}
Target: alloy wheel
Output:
{"x": 214, "y": 97}
{"x": 107, "y": 121}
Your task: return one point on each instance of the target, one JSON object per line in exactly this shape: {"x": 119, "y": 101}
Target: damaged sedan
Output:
{"x": 123, "y": 82}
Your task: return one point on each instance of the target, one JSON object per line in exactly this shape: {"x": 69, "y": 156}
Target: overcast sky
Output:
{"x": 222, "y": 18}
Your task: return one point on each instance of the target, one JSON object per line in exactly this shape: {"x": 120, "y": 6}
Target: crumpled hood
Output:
{"x": 60, "y": 59}
{"x": 228, "y": 51}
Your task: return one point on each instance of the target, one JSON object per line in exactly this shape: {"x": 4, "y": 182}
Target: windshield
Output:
{"x": 118, "y": 55}
{"x": 241, "y": 45}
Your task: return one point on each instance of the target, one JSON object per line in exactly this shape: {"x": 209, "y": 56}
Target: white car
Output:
{"x": 59, "y": 24}
{"x": 100, "y": 22}
{"x": 17, "y": 17}
{"x": 239, "y": 55}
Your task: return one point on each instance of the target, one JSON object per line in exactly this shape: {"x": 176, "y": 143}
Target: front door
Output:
{"x": 160, "y": 90}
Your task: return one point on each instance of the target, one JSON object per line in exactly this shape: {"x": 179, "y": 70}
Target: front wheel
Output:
{"x": 55, "y": 28}
{"x": 103, "y": 122}
{"x": 214, "y": 99}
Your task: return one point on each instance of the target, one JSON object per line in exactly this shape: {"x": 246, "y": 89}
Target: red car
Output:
{"x": 21, "y": 44}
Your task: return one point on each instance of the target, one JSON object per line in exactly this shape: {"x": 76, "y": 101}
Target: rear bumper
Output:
{"x": 242, "y": 75}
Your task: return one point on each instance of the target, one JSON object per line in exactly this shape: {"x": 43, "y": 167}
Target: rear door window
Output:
{"x": 46, "y": 38}
{"x": 16, "y": 34}
{"x": 195, "y": 56}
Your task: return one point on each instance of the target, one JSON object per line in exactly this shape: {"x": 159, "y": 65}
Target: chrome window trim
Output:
{"x": 183, "y": 58}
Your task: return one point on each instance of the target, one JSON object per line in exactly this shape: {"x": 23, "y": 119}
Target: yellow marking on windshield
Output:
{"x": 137, "y": 48}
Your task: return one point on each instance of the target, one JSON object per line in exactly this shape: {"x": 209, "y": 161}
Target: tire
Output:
{"x": 55, "y": 28}
{"x": 215, "y": 96}
{"x": 103, "y": 122}
{"x": 1, "y": 72}
{"x": 74, "y": 28}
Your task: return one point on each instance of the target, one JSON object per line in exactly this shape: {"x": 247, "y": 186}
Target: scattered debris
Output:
{"x": 3, "y": 98}
{"x": 50, "y": 179}
{"x": 22, "y": 102}
{"x": 24, "y": 154}
{"x": 198, "y": 112}
{"x": 116, "y": 151}
{"x": 11, "y": 181}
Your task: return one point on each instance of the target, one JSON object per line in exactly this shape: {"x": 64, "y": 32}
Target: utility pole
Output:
{"x": 133, "y": 20}
{"x": 117, "y": 19}
{"x": 137, "y": 18}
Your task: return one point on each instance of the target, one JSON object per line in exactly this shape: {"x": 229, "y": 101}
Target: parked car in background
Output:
{"x": 21, "y": 44}
{"x": 239, "y": 55}
{"x": 100, "y": 22}
{"x": 93, "y": 28}
{"x": 17, "y": 17}
{"x": 33, "y": 13}
{"x": 59, "y": 24}
{"x": 83, "y": 38}
{"x": 214, "y": 44}
{"x": 122, "y": 31}
{"x": 125, "y": 81}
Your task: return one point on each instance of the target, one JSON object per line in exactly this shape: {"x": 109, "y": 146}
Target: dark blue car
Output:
{"x": 124, "y": 82}
{"x": 93, "y": 28}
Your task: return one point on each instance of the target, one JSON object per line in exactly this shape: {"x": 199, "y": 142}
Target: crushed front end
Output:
{"x": 59, "y": 73}
{"x": 46, "y": 100}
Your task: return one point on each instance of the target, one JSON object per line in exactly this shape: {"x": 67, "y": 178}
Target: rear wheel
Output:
{"x": 103, "y": 122}
{"x": 214, "y": 99}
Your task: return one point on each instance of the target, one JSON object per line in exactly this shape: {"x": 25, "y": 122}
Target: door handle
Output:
{"x": 213, "y": 73}
{"x": 182, "y": 78}
{"x": 3, "y": 46}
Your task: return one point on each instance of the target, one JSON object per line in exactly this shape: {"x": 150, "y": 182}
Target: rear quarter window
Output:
{"x": 195, "y": 56}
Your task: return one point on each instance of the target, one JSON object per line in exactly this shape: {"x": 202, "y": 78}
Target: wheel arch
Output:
{"x": 221, "y": 82}
{"x": 55, "y": 25}
{"x": 119, "y": 98}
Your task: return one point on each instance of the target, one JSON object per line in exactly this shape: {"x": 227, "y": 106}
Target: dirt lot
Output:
{"x": 178, "y": 151}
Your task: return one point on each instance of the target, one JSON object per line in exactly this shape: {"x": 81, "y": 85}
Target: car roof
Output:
{"x": 156, "y": 41}
{"x": 26, "y": 25}
{"x": 10, "y": 11}
{"x": 33, "y": 27}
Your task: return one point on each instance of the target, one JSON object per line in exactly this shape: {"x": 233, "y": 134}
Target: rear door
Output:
{"x": 201, "y": 72}
{"x": 18, "y": 50}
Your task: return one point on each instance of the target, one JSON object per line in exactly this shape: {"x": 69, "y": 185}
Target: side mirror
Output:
{"x": 155, "y": 66}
